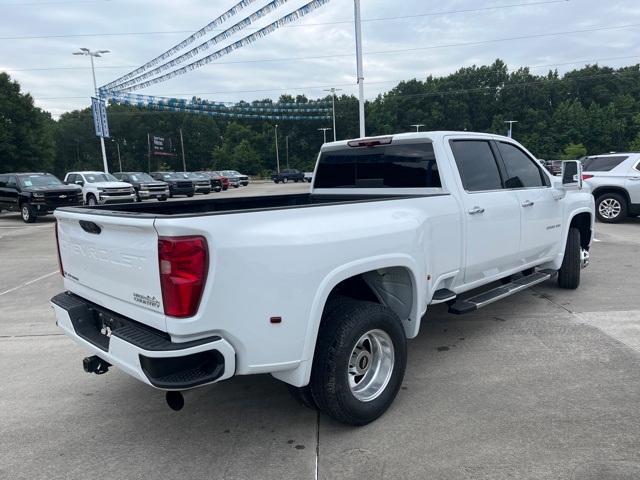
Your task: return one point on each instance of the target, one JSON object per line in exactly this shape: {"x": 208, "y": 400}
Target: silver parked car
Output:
{"x": 615, "y": 181}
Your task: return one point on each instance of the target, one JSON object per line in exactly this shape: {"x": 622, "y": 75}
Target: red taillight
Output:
{"x": 183, "y": 262}
{"x": 55, "y": 228}
{"x": 586, "y": 176}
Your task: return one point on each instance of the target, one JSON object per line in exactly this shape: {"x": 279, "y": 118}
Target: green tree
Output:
{"x": 574, "y": 151}
{"x": 26, "y": 132}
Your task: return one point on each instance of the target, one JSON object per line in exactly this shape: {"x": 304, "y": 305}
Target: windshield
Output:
{"x": 141, "y": 177}
{"x": 173, "y": 175}
{"x": 100, "y": 177}
{"x": 230, "y": 172}
{"x": 38, "y": 181}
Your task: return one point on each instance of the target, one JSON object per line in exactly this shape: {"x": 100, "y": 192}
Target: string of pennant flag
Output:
{"x": 160, "y": 70}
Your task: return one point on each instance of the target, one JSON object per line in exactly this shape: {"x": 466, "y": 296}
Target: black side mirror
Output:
{"x": 572, "y": 173}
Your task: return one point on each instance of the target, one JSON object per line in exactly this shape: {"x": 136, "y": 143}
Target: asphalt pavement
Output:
{"x": 542, "y": 385}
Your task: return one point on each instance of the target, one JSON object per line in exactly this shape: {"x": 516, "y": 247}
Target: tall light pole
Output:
{"x": 418, "y": 125}
{"x": 511, "y": 122}
{"x": 287, "y": 140}
{"x": 184, "y": 163}
{"x": 91, "y": 54}
{"x": 324, "y": 131}
{"x": 118, "y": 150}
{"x": 277, "y": 152}
{"x": 358, "y": 22}
{"x": 333, "y": 102}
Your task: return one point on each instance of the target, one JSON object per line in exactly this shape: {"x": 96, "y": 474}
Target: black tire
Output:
{"x": 28, "y": 213}
{"x": 615, "y": 200}
{"x": 276, "y": 181}
{"x": 162, "y": 199}
{"x": 91, "y": 200}
{"x": 569, "y": 273}
{"x": 190, "y": 195}
{"x": 342, "y": 327}
{"x": 296, "y": 180}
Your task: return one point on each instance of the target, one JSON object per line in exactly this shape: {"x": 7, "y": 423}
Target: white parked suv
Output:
{"x": 321, "y": 289}
{"x": 615, "y": 181}
{"x": 99, "y": 188}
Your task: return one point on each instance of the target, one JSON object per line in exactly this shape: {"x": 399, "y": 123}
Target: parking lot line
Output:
{"x": 28, "y": 283}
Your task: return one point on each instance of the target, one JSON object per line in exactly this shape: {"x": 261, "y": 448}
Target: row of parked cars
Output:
{"x": 38, "y": 194}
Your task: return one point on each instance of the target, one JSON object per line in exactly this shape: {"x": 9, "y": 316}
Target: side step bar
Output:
{"x": 483, "y": 299}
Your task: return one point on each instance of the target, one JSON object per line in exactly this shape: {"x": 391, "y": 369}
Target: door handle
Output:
{"x": 476, "y": 210}
{"x": 527, "y": 203}
{"x": 635, "y": 179}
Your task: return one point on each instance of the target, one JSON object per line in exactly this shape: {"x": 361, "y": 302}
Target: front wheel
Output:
{"x": 189, "y": 195}
{"x": 359, "y": 362}
{"x": 162, "y": 199}
{"x": 28, "y": 213}
{"x": 285, "y": 180}
{"x": 569, "y": 273}
{"x": 611, "y": 208}
{"x": 91, "y": 201}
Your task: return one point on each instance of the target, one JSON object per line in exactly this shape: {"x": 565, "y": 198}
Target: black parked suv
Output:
{"x": 288, "y": 175}
{"x": 145, "y": 185}
{"x": 178, "y": 183}
{"x": 36, "y": 194}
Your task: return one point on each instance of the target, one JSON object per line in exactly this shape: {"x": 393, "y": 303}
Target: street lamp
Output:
{"x": 118, "y": 149}
{"x": 324, "y": 131}
{"x": 333, "y": 102}
{"x": 277, "y": 152}
{"x": 511, "y": 122}
{"x": 360, "y": 69}
{"x": 418, "y": 125}
{"x": 91, "y": 54}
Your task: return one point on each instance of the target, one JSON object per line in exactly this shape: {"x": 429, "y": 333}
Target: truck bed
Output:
{"x": 219, "y": 206}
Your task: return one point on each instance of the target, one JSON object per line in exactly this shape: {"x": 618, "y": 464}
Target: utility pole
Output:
{"x": 511, "y": 122}
{"x": 277, "y": 152}
{"x": 418, "y": 125}
{"x": 287, "y": 140}
{"x": 324, "y": 131}
{"x": 91, "y": 54}
{"x": 118, "y": 149}
{"x": 358, "y": 22}
{"x": 333, "y": 102}
{"x": 184, "y": 163}
{"x": 149, "y": 153}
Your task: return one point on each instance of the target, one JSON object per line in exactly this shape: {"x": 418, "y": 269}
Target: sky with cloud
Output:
{"x": 401, "y": 39}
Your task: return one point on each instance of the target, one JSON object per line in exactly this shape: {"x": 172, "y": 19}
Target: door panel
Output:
{"x": 493, "y": 235}
{"x": 541, "y": 220}
{"x": 632, "y": 184}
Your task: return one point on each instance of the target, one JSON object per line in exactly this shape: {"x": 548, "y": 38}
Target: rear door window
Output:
{"x": 477, "y": 165}
{"x": 392, "y": 166}
{"x": 602, "y": 164}
{"x": 522, "y": 171}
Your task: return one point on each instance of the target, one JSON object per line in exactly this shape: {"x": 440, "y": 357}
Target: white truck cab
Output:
{"x": 320, "y": 289}
{"x": 99, "y": 188}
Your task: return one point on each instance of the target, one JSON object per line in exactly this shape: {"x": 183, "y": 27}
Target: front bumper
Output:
{"x": 146, "y": 194}
{"x": 141, "y": 351}
{"x": 117, "y": 198}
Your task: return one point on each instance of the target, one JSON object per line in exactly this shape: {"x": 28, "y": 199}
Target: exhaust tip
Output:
{"x": 175, "y": 400}
{"x": 95, "y": 365}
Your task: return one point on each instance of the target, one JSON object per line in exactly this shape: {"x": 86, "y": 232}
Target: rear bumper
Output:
{"x": 144, "y": 353}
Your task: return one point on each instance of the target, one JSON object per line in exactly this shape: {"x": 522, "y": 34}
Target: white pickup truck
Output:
{"x": 319, "y": 289}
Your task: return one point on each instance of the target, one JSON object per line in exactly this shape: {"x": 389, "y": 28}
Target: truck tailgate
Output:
{"x": 113, "y": 261}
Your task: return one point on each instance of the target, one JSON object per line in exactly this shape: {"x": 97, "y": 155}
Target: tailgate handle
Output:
{"x": 90, "y": 227}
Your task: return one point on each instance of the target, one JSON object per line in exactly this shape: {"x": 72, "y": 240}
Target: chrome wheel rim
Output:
{"x": 371, "y": 365}
{"x": 25, "y": 213}
{"x": 92, "y": 202}
{"x": 609, "y": 208}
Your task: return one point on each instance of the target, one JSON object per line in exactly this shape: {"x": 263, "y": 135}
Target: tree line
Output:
{"x": 590, "y": 110}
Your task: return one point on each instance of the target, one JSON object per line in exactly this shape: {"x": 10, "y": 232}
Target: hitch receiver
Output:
{"x": 95, "y": 365}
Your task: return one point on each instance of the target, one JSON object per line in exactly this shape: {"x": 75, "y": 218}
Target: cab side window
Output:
{"x": 522, "y": 170}
{"x": 12, "y": 182}
{"x": 477, "y": 165}
{"x": 3, "y": 181}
